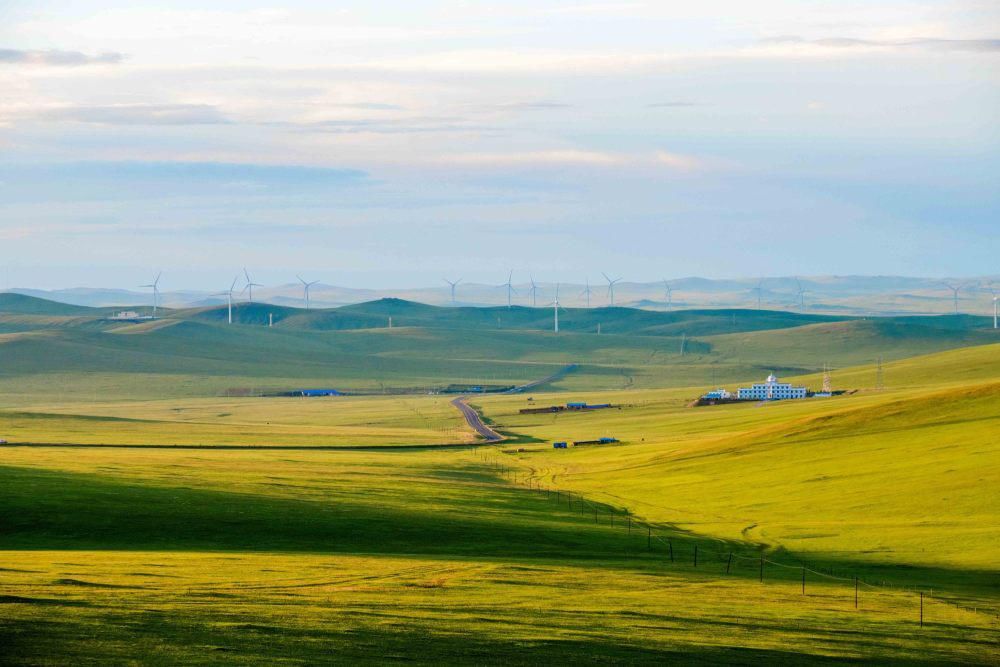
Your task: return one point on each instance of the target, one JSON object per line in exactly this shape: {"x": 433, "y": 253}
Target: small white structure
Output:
{"x": 125, "y": 315}
{"x": 770, "y": 390}
{"x": 718, "y": 395}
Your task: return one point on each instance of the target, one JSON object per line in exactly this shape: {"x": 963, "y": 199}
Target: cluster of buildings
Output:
{"x": 768, "y": 390}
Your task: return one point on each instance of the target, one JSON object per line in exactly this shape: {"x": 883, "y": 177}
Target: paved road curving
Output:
{"x": 475, "y": 421}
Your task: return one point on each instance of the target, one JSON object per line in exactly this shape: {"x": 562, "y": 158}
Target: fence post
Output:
{"x": 921, "y": 609}
{"x": 670, "y": 544}
{"x": 803, "y": 580}
{"x": 855, "y": 591}
{"x": 696, "y": 555}
{"x": 729, "y": 562}
{"x": 649, "y": 538}
{"x": 762, "y": 569}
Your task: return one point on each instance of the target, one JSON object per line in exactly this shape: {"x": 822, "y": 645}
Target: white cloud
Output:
{"x": 530, "y": 158}
{"x": 136, "y": 114}
{"x": 56, "y": 58}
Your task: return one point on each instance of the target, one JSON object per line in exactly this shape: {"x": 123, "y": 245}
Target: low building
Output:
{"x": 718, "y": 395}
{"x": 770, "y": 390}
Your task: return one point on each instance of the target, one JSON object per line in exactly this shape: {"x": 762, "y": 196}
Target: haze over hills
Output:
{"x": 195, "y": 352}
{"x": 847, "y": 295}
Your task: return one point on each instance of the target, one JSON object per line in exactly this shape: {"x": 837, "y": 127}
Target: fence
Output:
{"x": 911, "y": 600}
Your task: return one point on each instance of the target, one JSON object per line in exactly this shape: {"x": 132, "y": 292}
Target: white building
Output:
{"x": 718, "y": 395}
{"x": 770, "y": 390}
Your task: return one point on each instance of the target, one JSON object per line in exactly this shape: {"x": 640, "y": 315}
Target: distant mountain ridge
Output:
{"x": 844, "y": 295}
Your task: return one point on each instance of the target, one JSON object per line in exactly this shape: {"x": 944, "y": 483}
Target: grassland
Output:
{"x": 271, "y": 422}
{"x": 904, "y": 476}
{"x": 430, "y": 556}
{"x": 195, "y": 354}
{"x": 442, "y": 555}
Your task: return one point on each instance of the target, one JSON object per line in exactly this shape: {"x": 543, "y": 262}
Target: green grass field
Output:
{"x": 324, "y": 553}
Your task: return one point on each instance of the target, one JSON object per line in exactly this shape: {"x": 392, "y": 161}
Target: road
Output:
{"x": 475, "y": 421}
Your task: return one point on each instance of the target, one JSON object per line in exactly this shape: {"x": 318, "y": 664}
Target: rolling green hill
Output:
{"x": 854, "y": 342}
{"x": 196, "y": 353}
{"x": 20, "y": 304}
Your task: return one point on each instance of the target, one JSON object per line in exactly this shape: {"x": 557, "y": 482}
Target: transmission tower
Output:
{"x": 827, "y": 384}
{"x": 879, "y": 376}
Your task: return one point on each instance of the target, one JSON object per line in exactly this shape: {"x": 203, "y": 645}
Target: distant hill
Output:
{"x": 195, "y": 352}
{"x": 21, "y": 304}
{"x": 837, "y": 295}
{"x": 857, "y": 341}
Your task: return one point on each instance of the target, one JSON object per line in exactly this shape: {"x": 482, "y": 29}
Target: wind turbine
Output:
{"x": 453, "y": 284}
{"x": 954, "y": 292}
{"x": 229, "y": 297}
{"x": 586, "y": 292}
{"x": 758, "y": 289}
{"x": 555, "y": 311}
{"x": 996, "y": 300}
{"x": 510, "y": 287}
{"x": 534, "y": 292}
{"x": 156, "y": 291}
{"x": 611, "y": 286}
{"x": 801, "y": 293}
{"x": 305, "y": 288}
{"x": 670, "y": 293}
{"x": 250, "y": 285}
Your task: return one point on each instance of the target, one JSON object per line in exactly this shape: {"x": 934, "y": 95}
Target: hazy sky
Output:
{"x": 390, "y": 143}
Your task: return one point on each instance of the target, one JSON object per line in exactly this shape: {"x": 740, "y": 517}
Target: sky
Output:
{"x": 392, "y": 144}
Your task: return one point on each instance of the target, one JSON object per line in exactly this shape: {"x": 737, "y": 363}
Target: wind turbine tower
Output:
{"x": 586, "y": 292}
{"x": 510, "y": 288}
{"x": 250, "y": 285}
{"x": 555, "y": 311}
{"x": 534, "y": 293}
{"x": 155, "y": 285}
{"x": 453, "y": 284}
{"x": 758, "y": 289}
{"x": 801, "y": 294}
{"x": 305, "y": 288}
{"x": 955, "y": 289}
{"x": 229, "y": 297}
{"x": 611, "y": 287}
{"x": 996, "y": 299}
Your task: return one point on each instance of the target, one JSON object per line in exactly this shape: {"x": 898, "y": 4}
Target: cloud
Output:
{"x": 370, "y": 106}
{"x": 680, "y": 162}
{"x": 391, "y": 125}
{"x": 975, "y": 45}
{"x": 58, "y": 58}
{"x": 600, "y": 9}
{"x": 540, "y": 158}
{"x": 534, "y": 106}
{"x": 138, "y": 114}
